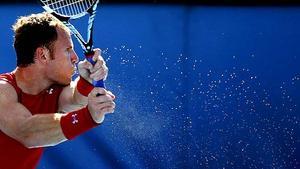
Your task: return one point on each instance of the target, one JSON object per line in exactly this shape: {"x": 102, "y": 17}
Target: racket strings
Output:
{"x": 69, "y": 7}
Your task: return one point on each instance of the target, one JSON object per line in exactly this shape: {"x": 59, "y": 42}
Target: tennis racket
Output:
{"x": 66, "y": 10}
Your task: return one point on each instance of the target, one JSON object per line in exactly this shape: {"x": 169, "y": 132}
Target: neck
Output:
{"x": 31, "y": 80}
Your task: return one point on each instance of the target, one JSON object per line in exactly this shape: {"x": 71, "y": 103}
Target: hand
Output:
{"x": 101, "y": 105}
{"x": 95, "y": 72}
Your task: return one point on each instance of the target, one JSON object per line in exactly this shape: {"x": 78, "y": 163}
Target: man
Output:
{"x": 40, "y": 106}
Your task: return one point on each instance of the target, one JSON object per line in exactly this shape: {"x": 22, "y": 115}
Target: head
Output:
{"x": 44, "y": 40}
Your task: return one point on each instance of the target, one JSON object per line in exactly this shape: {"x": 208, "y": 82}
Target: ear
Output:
{"x": 42, "y": 55}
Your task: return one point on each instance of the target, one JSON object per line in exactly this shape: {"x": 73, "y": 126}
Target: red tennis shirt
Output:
{"x": 13, "y": 155}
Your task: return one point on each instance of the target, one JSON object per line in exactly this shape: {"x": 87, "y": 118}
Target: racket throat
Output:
{"x": 87, "y": 47}
{"x": 89, "y": 53}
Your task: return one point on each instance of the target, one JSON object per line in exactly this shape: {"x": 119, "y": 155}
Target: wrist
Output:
{"x": 98, "y": 120}
{"x": 77, "y": 122}
{"x": 84, "y": 87}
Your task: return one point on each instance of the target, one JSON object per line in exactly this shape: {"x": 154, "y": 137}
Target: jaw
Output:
{"x": 60, "y": 77}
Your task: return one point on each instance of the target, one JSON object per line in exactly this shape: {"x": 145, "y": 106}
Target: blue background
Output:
{"x": 197, "y": 87}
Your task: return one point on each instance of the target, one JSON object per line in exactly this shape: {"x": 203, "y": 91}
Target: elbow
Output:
{"x": 31, "y": 143}
{"x": 27, "y": 141}
{"x": 26, "y": 138}
{"x": 29, "y": 146}
{"x": 21, "y": 132}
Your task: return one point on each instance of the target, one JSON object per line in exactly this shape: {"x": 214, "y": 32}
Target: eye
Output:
{"x": 69, "y": 52}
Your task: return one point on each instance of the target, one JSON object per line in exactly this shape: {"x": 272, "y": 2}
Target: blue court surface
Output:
{"x": 208, "y": 87}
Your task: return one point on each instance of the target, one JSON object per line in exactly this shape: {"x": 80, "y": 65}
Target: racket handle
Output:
{"x": 89, "y": 57}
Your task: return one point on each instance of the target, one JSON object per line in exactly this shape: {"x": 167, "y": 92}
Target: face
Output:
{"x": 61, "y": 68}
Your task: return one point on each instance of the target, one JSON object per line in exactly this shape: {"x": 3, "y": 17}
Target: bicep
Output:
{"x": 12, "y": 113}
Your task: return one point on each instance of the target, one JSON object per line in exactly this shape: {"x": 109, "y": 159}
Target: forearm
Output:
{"x": 74, "y": 96}
{"x": 52, "y": 129}
{"x": 41, "y": 130}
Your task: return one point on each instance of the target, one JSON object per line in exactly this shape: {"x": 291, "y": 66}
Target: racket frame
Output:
{"x": 87, "y": 45}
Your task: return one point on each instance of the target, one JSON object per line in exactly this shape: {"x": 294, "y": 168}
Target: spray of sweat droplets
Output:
{"x": 173, "y": 113}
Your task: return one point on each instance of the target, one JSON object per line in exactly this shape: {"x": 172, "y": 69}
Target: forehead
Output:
{"x": 63, "y": 37}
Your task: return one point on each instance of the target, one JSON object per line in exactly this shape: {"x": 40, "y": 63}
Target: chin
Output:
{"x": 68, "y": 81}
{"x": 65, "y": 81}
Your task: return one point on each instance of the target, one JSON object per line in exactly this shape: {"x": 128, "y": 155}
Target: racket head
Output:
{"x": 68, "y": 9}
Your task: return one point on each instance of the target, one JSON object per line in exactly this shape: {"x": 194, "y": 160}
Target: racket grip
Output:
{"x": 99, "y": 83}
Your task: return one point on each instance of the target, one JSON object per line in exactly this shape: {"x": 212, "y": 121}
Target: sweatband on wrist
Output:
{"x": 76, "y": 123}
{"x": 84, "y": 87}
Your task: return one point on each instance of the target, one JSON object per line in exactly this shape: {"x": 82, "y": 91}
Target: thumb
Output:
{"x": 85, "y": 64}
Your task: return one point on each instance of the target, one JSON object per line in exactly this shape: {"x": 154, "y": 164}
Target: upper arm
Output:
{"x": 12, "y": 113}
{"x": 17, "y": 122}
{"x": 70, "y": 99}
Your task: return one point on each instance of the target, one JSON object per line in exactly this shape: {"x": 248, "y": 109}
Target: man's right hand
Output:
{"x": 100, "y": 105}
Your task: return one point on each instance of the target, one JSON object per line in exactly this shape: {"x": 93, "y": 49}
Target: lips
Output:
{"x": 74, "y": 71}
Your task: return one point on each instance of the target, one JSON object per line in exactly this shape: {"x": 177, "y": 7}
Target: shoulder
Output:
{"x": 8, "y": 92}
{"x": 7, "y": 76}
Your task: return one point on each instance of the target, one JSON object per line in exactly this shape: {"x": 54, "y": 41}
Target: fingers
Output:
{"x": 98, "y": 90}
{"x": 97, "y": 53}
{"x": 105, "y": 96}
{"x": 101, "y": 105}
{"x": 108, "y": 107}
{"x": 95, "y": 72}
{"x": 85, "y": 65}
{"x": 112, "y": 95}
{"x": 98, "y": 71}
{"x": 97, "y": 58}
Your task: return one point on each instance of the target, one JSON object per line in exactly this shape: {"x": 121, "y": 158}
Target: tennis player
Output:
{"x": 40, "y": 105}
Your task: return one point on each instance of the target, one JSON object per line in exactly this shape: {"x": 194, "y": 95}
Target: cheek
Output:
{"x": 61, "y": 74}
{"x": 53, "y": 70}
{"x": 63, "y": 63}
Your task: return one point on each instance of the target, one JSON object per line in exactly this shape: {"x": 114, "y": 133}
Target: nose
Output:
{"x": 74, "y": 57}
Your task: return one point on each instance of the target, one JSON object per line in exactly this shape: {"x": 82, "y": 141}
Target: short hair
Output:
{"x": 33, "y": 31}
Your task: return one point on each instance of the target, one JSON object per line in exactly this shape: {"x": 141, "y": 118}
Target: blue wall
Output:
{"x": 197, "y": 87}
